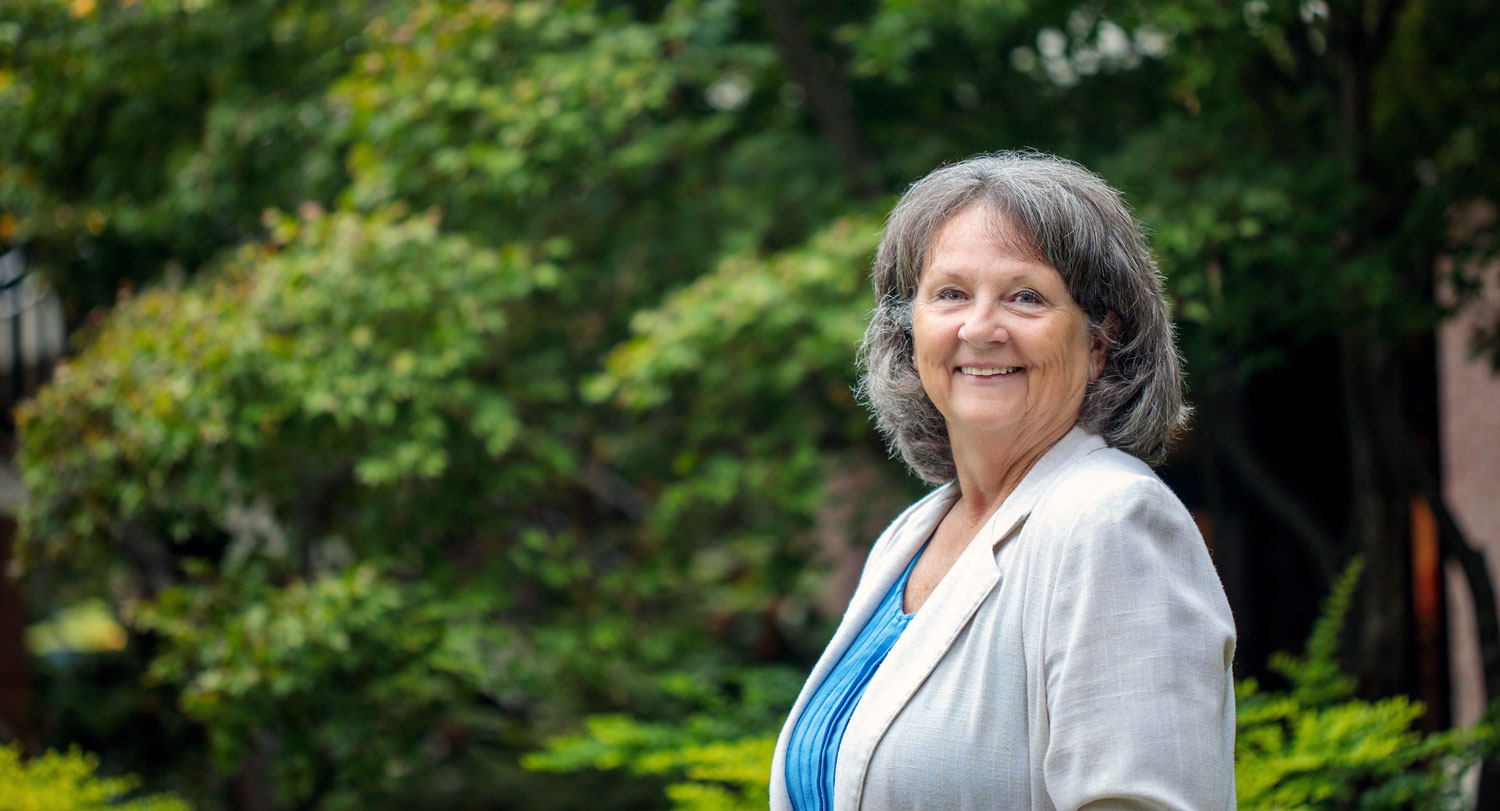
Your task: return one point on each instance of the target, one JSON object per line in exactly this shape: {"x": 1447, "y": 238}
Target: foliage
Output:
{"x": 88, "y": 627}
{"x": 311, "y": 663}
{"x": 536, "y": 122}
{"x": 497, "y": 113}
{"x": 153, "y": 132}
{"x": 718, "y": 758}
{"x": 336, "y": 372}
{"x": 367, "y": 361}
{"x": 759, "y": 340}
{"x": 221, "y": 418}
{"x": 1316, "y": 746}
{"x": 712, "y": 776}
{"x": 68, "y": 782}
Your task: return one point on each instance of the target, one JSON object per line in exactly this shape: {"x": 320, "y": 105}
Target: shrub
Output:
{"x": 67, "y": 782}
{"x": 718, "y": 758}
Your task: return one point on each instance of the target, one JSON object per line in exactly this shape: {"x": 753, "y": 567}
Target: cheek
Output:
{"x": 929, "y": 353}
{"x": 925, "y": 361}
{"x": 1074, "y": 357}
{"x": 924, "y": 344}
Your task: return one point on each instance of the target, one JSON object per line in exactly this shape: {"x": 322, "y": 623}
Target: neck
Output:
{"x": 990, "y": 468}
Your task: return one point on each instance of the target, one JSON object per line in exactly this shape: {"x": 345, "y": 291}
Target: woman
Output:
{"x": 1046, "y": 629}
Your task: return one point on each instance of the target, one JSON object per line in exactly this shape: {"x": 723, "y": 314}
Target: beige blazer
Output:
{"x": 1077, "y": 654}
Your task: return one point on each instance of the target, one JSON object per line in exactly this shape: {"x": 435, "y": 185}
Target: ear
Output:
{"x": 1104, "y": 340}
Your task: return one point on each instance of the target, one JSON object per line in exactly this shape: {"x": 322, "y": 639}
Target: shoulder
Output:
{"x": 1101, "y": 476}
{"x": 1134, "y": 642}
{"x": 1109, "y": 524}
{"x": 1110, "y": 488}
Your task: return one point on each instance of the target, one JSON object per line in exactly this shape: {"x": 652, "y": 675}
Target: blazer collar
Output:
{"x": 945, "y": 614}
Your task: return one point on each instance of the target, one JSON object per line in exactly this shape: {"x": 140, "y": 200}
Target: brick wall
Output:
{"x": 1469, "y": 417}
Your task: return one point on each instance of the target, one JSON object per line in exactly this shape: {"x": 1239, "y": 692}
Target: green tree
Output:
{"x": 153, "y": 133}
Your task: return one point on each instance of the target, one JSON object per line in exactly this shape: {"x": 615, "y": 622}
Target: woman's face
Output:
{"x": 1001, "y": 347}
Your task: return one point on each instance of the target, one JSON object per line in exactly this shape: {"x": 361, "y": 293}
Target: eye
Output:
{"x": 950, "y": 294}
{"x": 1028, "y": 297}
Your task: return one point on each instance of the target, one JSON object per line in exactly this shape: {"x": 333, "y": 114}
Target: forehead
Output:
{"x": 975, "y": 237}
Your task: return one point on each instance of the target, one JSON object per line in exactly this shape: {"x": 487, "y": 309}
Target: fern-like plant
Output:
{"x": 1316, "y": 746}
{"x": 717, "y": 758}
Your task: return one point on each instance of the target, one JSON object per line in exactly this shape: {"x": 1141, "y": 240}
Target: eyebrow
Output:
{"x": 965, "y": 272}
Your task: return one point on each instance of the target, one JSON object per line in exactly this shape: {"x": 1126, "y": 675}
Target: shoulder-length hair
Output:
{"x": 1075, "y": 222}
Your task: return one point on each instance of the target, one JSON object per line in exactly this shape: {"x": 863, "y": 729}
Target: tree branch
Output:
{"x": 612, "y": 489}
{"x": 149, "y": 557}
{"x": 1279, "y": 501}
{"x": 1286, "y": 506}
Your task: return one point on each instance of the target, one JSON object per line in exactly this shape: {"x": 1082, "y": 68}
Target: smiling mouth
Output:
{"x": 995, "y": 371}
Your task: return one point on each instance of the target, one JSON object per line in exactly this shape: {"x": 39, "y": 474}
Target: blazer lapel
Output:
{"x": 940, "y": 620}
{"x": 886, "y": 564}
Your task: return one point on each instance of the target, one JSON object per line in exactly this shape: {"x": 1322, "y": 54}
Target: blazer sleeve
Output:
{"x": 1138, "y": 647}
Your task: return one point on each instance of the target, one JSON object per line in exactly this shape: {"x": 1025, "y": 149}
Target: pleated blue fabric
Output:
{"x": 813, "y": 748}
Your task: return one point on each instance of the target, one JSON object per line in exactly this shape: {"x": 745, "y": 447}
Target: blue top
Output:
{"x": 813, "y": 748}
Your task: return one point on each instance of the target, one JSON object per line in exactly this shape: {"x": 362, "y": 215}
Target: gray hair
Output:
{"x": 1077, "y": 224}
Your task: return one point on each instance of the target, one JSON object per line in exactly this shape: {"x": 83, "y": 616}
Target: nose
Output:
{"x": 985, "y": 325}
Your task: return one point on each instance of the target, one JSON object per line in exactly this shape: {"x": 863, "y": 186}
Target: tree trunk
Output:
{"x": 251, "y": 789}
{"x": 829, "y": 100}
{"x": 1378, "y": 522}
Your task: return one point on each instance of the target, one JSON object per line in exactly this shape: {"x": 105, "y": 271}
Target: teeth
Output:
{"x": 987, "y": 372}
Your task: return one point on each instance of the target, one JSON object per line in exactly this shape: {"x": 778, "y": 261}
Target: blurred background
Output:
{"x": 421, "y": 403}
